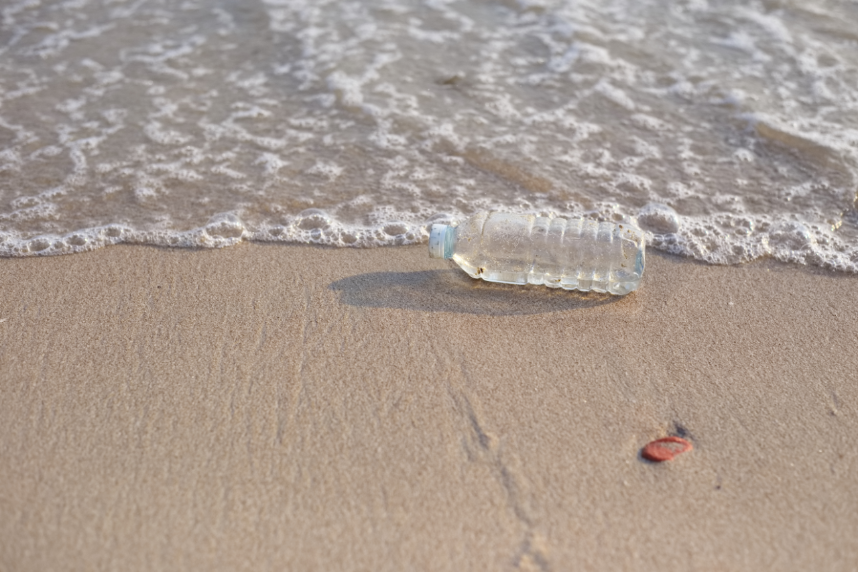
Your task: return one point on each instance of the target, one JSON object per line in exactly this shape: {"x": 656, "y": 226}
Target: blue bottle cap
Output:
{"x": 437, "y": 236}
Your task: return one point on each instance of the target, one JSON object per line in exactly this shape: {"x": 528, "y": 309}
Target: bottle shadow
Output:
{"x": 454, "y": 291}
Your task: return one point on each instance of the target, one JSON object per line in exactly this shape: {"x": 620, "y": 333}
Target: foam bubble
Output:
{"x": 658, "y": 218}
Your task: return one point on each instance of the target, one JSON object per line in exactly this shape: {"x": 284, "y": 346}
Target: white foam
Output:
{"x": 355, "y": 123}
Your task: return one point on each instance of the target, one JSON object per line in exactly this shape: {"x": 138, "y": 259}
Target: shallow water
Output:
{"x": 727, "y": 129}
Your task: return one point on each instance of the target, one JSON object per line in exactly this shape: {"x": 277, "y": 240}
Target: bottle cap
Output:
{"x": 437, "y": 235}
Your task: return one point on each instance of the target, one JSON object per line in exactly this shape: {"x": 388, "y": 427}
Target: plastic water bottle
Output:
{"x": 575, "y": 254}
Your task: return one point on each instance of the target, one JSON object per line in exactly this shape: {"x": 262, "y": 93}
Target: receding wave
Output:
{"x": 727, "y": 130}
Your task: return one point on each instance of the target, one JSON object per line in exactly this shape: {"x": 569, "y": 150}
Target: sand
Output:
{"x": 270, "y": 407}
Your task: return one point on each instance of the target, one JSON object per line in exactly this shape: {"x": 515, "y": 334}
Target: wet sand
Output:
{"x": 296, "y": 408}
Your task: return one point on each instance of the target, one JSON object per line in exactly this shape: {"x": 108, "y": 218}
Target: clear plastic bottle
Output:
{"x": 576, "y": 254}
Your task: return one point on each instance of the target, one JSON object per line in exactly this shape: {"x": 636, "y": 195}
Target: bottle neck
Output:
{"x": 442, "y": 238}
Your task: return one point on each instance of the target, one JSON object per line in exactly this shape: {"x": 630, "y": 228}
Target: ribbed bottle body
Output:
{"x": 575, "y": 254}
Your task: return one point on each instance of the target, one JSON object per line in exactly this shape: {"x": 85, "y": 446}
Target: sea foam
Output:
{"x": 727, "y": 130}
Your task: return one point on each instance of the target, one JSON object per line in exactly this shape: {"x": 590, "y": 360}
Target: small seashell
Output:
{"x": 665, "y": 449}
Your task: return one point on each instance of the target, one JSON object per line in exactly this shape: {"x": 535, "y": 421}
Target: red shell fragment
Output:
{"x": 665, "y": 449}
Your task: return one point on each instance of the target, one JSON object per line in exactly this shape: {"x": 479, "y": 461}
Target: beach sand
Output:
{"x": 269, "y": 407}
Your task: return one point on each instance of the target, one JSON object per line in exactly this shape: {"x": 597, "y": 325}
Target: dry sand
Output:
{"x": 295, "y": 408}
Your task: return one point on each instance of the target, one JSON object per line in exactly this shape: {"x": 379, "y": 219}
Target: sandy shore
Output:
{"x": 296, "y": 408}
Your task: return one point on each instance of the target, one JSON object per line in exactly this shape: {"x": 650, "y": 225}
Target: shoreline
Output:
{"x": 217, "y": 242}
{"x": 271, "y": 406}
